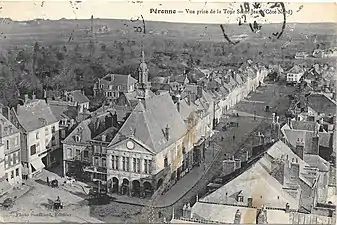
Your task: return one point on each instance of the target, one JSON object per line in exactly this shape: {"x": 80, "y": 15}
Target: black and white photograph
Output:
{"x": 138, "y": 112}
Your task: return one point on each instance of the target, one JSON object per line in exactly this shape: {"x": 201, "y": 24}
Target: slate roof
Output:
{"x": 320, "y": 103}
{"x": 224, "y": 213}
{"x": 117, "y": 79}
{"x": 110, "y": 133}
{"x": 79, "y": 96}
{"x": 148, "y": 121}
{"x": 292, "y": 135}
{"x": 87, "y": 129}
{"x": 295, "y": 69}
{"x": 35, "y": 114}
{"x": 185, "y": 109}
{"x": 7, "y": 126}
{"x": 256, "y": 181}
{"x": 317, "y": 161}
{"x": 304, "y": 125}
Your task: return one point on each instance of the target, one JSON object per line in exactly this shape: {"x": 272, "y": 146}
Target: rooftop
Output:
{"x": 148, "y": 122}
{"x": 322, "y": 104}
{"x": 79, "y": 96}
{"x": 7, "y": 127}
{"x": 35, "y": 114}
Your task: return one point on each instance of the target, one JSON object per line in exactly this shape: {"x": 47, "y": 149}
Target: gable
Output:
{"x": 130, "y": 144}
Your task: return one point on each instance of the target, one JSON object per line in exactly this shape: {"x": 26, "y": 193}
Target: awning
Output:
{"x": 37, "y": 164}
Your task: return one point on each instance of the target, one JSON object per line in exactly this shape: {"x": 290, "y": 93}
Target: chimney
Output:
{"x": 178, "y": 106}
{"x": 237, "y": 217}
{"x": 277, "y": 170}
{"x": 167, "y": 132}
{"x": 294, "y": 170}
{"x": 26, "y": 98}
{"x": 33, "y": 96}
{"x": 184, "y": 211}
{"x": 44, "y": 94}
{"x": 287, "y": 208}
{"x": 299, "y": 149}
{"x": 228, "y": 166}
{"x": 274, "y": 117}
{"x": 188, "y": 211}
{"x": 103, "y": 137}
{"x": 289, "y": 122}
{"x": 277, "y": 119}
{"x": 250, "y": 202}
{"x": 314, "y": 145}
{"x": 262, "y": 216}
{"x": 189, "y": 98}
{"x": 115, "y": 120}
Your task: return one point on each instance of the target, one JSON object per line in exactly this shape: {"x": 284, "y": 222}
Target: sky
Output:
{"x": 297, "y": 12}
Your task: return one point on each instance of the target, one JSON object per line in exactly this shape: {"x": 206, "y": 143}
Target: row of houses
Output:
{"x": 289, "y": 183}
{"x": 31, "y": 134}
{"x": 149, "y": 135}
{"x": 293, "y": 181}
{"x": 139, "y": 140}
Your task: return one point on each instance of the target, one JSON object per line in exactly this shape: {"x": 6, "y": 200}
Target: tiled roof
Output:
{"x": 35, "y": 114}
{"x": 7, "y": 127}
{"x": 79, "y": 96}
{"x": 148, "y": 121}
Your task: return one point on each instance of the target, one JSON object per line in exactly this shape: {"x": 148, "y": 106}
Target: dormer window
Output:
{"x": 240, "y": 198}
{"x": 37, "y": 135}
{"x": 77, "y": 138}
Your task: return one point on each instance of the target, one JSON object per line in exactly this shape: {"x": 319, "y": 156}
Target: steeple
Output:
{"x": 143, "y": 83}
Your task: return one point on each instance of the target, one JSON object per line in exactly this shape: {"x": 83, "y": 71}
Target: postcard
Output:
{"x": 168, "y": 112}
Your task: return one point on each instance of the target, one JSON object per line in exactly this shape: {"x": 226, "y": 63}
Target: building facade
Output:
{"x": 39, "y": 135}
{"x": 10, "y": 137}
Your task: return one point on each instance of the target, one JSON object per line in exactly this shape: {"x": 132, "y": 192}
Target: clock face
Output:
{"x": 130, "y": 145}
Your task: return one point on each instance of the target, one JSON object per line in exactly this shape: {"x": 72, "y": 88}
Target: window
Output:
{"x": 53, "y": 141}
{"x": 14, "y": 158}
{"x": 113, "y": 162}
{"x": 9, "y": 160}
{"x": 70, "y": 153}
{"x": 7, "y": 144}
{"x": 12, "y": 174}
{"x": 138, "y": 165}
{"x": 16, "y": 141}
{"x": 33, "y": 150}
{"x": 150, "y": 166}
{"x": 134, "y": 165}
{"x": 145, "y": 166}
{"x": 127, "y": 164}
{"x": 17, "y": 172}
{"x": 37, "y": 135}
{"x": 165, "y": 161}
{"x": 53, "y": 129}
{"x": 240, "y": 198}
{"x": 78, "y": 153}
{"x": 85, "y": 154}
{"x": 117, "y": 158}
{"x": 63, "y": 134}
{"x": 118, "y": 87}
{"x": 47, "y": 143}
{"x": 103, "y": 162}
{"x": 124, "y": 165}
{"x": 184, "y": 150}
{"x": 96, "y": 161}
{"x": 46, "y": 130}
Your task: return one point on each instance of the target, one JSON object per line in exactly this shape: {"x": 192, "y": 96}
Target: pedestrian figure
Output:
{"x": 237, "y": 114}
{"x": 48, "y": 181}
{"x": 233, "y": 138}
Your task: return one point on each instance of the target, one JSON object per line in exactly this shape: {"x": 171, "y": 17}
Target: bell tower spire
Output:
{"x": 143, "y": 83}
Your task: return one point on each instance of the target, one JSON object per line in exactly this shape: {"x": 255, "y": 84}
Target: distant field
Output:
{"x": 58, "y": 32}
